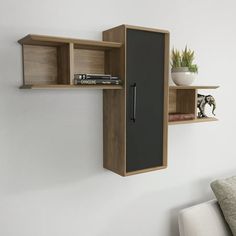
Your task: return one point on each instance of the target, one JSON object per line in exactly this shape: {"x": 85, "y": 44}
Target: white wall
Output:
{"x": 51, "y": 178}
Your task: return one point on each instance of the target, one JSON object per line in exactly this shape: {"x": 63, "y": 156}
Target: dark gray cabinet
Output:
{"x": 138, "y": 113}
{"x": 145, "y": 99}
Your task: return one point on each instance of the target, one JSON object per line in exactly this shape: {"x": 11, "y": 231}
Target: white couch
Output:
{"x": 204, "y": 219}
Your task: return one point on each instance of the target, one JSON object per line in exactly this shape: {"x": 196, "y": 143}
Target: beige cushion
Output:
{"x": 225, "y": 192}
{"x": 204, "y": 219}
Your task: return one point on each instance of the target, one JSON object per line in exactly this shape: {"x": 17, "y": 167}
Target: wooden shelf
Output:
{"x": 51, "y": 62}
{"x": 194, "y": 87}
{"x": 42, "y": 40}
{"x": 64, "y": 86}
{"x": 145, "y": 170}
{"x": 197, "y": 120}
{"x": 183, "y": 100}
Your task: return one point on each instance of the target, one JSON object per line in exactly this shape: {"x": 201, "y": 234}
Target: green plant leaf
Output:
{"x": 184, "y": 58}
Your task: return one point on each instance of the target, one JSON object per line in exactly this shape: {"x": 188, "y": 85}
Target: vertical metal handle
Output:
{"x": 134, "y": 88}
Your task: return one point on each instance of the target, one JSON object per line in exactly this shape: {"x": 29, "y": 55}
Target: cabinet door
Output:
{"x": 145, "y": 99}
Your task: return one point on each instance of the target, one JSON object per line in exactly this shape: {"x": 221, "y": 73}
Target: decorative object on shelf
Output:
{"x": 183, "y": 71}
{"x": 202, "y": 100}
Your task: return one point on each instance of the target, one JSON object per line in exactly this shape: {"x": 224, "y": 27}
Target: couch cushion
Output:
{"x": 225, "y": 192}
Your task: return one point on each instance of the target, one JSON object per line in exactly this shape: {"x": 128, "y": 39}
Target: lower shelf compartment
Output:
{"x": 65, "y": 86}
{"x": 197, "y": 120}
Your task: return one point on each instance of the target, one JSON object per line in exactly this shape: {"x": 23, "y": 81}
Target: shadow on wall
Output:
{"x": 147, "y": 214}
{"x": 52, "y": 141}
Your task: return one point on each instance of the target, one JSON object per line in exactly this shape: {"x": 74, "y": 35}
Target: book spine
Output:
{"x": 102, "y": 82}
{"x": 95, "y": 77}
{"x": 80, "y": 76}
{"x": 99, "y": 75}
{"x": 179, "y": 117}
{"x": 90, "y": 76}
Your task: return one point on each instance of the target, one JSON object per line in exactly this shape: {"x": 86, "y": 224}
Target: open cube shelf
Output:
{"x": 183, "y": 100}
{"x": 46, "y": 65}
{"x": 52, "y": 61}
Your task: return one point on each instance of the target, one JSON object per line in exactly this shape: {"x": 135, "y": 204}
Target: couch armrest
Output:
{"x": 204, "y": 219}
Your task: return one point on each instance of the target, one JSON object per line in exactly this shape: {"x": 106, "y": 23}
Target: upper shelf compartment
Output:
{"x": 51, "y": 62}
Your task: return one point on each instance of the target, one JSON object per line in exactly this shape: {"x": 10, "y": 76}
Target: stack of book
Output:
{"x": 101, "y": 79}
{"x": 181, "y": 116}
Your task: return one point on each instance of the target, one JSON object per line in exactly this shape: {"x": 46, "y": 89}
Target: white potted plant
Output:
{"x": 183, "y": 71}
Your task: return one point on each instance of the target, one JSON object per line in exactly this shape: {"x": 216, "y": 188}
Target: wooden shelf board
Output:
{"x": 32, "y": 39}
{"x": 145, "y": 170}
{"x": 197, "y": 120}
{"x": 193, "y": 87}
{"x": 146, "y": 29}
{"x": 65, "y": 86}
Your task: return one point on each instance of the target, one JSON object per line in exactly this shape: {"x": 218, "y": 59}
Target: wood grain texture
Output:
{"x": 166, "y": 98}
{"x": 145, "y": 170}
{"x": 64, "y": 86}
{"x": 113, "y": 63}
{"x": 182, "y": 101}
{"x": 71, "y": 63}
{"x": 45, "y": 40}
{"x": 195, "y": 104}
{"x": 63, "y": 64}
{"x": 197, "y": 120}
{"x": 40, "y": 64}
{"x": 114, "y": 108}
{"x": 185, "y": 101}
{"x": 89, "y": 61}
{"x": 193, "y": 87}
{"x": 172, "y": 101}
{"x": 148, "y": 29}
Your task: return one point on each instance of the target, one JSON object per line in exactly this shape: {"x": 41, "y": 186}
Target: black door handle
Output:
{"x": 134, "y": 101}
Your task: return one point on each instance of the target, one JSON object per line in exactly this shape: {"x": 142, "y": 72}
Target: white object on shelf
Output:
{"x": 182, "y": 76}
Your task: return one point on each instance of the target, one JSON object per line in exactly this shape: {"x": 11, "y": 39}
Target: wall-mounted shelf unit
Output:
{"x": 135, "y": 113}
{"x": 51, "y": 62}
{"x": 183, "y": 99}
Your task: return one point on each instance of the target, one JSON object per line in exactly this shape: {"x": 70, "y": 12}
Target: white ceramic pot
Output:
{"x": 182, "y": 76}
